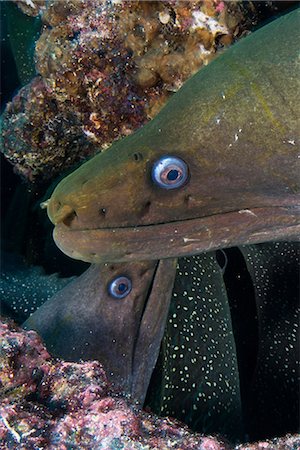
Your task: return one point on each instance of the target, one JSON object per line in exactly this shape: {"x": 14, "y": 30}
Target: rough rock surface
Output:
{"x": 105, "y": 68}
{"x": 53, "y": 404}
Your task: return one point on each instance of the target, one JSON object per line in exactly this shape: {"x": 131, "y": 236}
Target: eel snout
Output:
{"x": 60, "y": 213}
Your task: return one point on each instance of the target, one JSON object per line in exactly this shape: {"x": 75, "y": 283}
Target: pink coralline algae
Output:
{"x": 53, "y": 404}
{"x": 105, "y": 68}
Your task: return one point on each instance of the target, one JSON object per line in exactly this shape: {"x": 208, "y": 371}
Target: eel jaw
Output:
{"x": 152, "y": 329}
{"x": 181, "y": 238}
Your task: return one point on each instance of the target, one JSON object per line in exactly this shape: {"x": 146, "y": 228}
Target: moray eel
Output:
{"x": 117, "y": 313}
{"x": 217, "y": 167}
{"x": 224, "y": 343}
{"x": 111, "y": 313}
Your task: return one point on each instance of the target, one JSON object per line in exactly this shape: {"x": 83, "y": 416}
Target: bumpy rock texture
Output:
{"x": 106, "y": 68}
{"x": 52, "y": 404}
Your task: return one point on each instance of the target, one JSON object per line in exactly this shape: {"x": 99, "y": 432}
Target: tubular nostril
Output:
{"x": 69, "y": 218}
{"x": 59, "y": 212}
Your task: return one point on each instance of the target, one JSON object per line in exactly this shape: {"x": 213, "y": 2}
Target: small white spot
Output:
{"x": 185, "y": 240}
{"x": 247, "y": 211}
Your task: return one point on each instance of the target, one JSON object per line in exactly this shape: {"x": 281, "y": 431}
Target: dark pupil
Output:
{"x": 172, "y": 175}
{"x": 122, "y": 287}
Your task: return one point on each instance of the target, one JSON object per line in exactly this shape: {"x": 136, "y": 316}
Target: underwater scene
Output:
{"x": 150, "y": 223}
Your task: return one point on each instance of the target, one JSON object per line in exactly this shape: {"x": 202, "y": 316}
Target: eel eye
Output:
{"x": 170, "y": 172}
{"x": 119, "y": 287}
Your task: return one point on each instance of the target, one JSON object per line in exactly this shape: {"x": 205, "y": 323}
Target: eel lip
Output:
{"x": 180, "y": 238}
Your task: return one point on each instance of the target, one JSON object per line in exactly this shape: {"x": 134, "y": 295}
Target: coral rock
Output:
{"x": 56, "y": 404}
{"x": 46, "y": 133}
{"x": 53, "y": 404}
{"x": 105, "y": 68}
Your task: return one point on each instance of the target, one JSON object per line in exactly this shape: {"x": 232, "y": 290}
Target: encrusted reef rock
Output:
{"x": 105, "y": 68}
{"x": 53, "y": 404}
{"x": 41, "y": 136}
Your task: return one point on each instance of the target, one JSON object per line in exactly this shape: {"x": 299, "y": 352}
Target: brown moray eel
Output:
{"x": 232, "y": 178}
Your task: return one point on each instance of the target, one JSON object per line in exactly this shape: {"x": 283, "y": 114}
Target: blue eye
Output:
{"x": 119, "y": 287}
{"x": 170, "y": 172}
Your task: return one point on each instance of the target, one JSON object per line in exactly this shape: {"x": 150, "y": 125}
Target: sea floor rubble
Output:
{"x": 48, "y": 403}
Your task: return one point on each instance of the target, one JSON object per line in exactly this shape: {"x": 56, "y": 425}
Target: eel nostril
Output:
{"x": 68, "y": 219}
{"x": 138, "y": 156}
{"x": 58, "y": 212}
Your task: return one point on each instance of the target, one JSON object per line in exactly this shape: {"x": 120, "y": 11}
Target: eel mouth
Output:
{"x": 180, "y": 238}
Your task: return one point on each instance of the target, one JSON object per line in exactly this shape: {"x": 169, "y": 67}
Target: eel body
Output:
{"x": 23, "y": 288}
{"x": 274, "y": 270}
{"x": 235, "y": 125}
{"x": 197, "y": 377}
